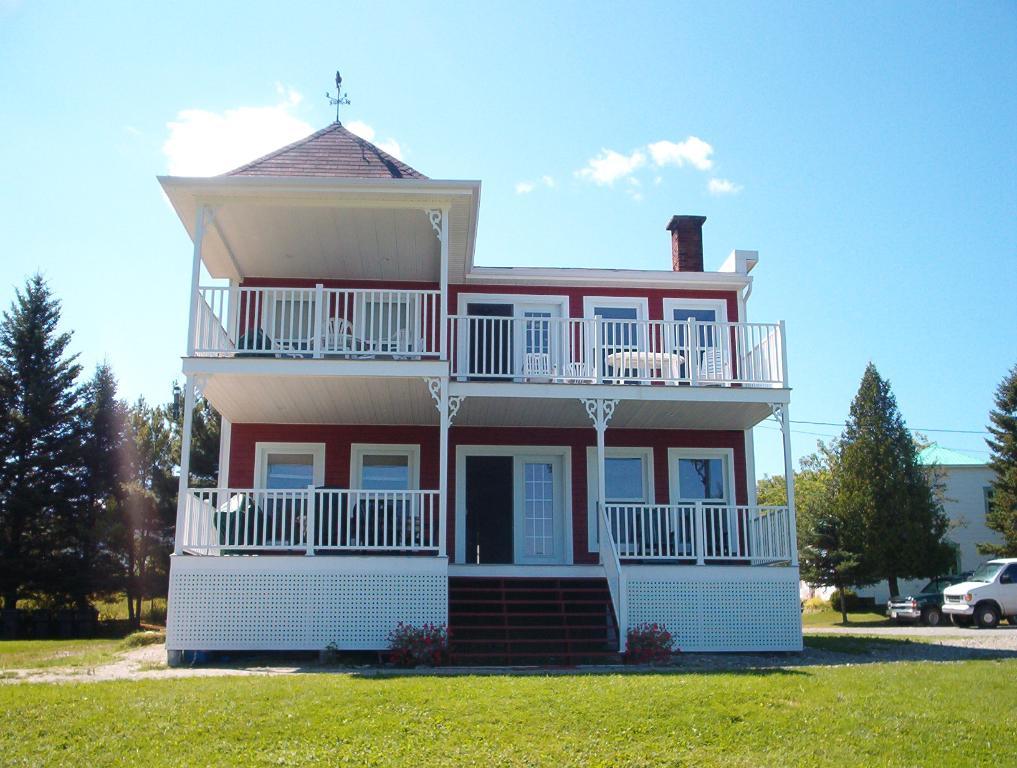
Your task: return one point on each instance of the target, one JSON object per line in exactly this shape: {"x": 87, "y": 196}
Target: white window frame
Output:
{"x": 518, "y": 453}
{"x": 262, "y": 450}
{"x": 640, "y": 303}
{"x": 592, "y": 481}
{"x": 359, "y": 450}
{"x": 720, "y": 305}
{"x": 727, "y": 454}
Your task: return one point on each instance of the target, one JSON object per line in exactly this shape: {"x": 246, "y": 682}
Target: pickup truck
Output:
{"x": 926, "y": 604}
{"x": 987, "y": 596}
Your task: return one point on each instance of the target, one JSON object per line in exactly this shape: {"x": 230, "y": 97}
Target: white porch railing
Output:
{"x": 223, "y": 521}
{"x": 700, "y": 532}
{"x": 613, "y": 571}
{"x": 598, "y": 350}
{"x": 317, "y": 322}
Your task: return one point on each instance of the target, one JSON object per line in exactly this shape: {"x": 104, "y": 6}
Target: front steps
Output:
{"x": 531, "y": 621}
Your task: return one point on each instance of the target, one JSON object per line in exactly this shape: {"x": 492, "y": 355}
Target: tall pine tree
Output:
{"x": 105, "y": 469}
{"x": 881, "y": 483}
{"x": 1002, "y": 515}
{"x": 39, "y": 446}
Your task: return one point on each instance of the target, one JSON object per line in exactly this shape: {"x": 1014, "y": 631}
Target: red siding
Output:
{"x": 338, "y": 439}
{"x": 654, "y": 296}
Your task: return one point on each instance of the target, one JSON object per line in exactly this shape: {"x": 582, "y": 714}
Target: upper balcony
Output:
{"x": 598, "y": 350}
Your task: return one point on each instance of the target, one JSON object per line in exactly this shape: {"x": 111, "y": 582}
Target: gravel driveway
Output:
{"x": 1004, "y": 637}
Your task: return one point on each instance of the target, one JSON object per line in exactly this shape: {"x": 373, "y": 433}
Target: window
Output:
{"x": 628, "y": 479}
{"x": 385, "y": 472}
{"x": 382, "y": 467}
{"x": 289, "y": 470}
{"x": 701, "y": 474}
{"x": 289, "y": 465}
{"x": 624, "y": 479}
{"x": 987, "y": 494}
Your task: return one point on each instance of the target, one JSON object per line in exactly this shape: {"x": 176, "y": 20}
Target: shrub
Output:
{"x": 649, "y": 644}
{"x": 815, "y": 604}
{"x": 411, "y": 646}
{"x": 852, "y": 602}
{"x": 146, "y": 637}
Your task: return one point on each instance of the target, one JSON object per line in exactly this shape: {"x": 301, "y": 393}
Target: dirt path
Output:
{"x": 845, "y": 647}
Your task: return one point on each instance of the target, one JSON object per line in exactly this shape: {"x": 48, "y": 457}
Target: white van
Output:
{"x": 986, "y": 597}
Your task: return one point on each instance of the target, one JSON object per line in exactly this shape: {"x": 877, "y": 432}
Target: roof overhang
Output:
{"x": 635, "y": 278}
{"x": 323, "y": 228}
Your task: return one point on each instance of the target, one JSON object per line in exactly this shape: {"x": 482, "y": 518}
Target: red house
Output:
{"x": 540, "y": 458}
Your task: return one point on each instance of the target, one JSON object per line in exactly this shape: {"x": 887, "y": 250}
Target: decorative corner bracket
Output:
{"x": 435, "y": 386}
{"x": 434, "y": 216}
{"x": 599, "y": 411}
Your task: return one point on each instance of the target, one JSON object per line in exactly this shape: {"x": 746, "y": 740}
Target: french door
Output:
{"x": 539, "y": 510}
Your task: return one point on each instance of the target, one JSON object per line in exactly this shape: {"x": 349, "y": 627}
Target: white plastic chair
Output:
{"x": 537, "y": 365}
{"x": 577, "y": 373}
{"x": 711, "y": 366}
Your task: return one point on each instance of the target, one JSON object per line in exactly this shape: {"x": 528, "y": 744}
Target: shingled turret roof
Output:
{"x": 331, "y": 152}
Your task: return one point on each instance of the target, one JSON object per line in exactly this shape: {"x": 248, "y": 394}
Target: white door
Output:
{"x": 537, "y": 340}
{"x": 539, "y": 510}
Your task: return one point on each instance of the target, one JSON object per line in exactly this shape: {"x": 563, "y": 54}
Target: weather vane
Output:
{"x": 340, "y": 98}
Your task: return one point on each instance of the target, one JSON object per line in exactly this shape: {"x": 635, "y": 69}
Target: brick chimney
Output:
{"x": 686, "y": 243}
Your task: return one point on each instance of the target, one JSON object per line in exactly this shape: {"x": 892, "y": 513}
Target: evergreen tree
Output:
{"x": 39, "y": 447}
{"x": 882, "y": 486}
{"x": 149, "y": 506}
{"x": 105, "y": 470}
{"x": 1002, "y": 515}
{"x": 205, "y": 431}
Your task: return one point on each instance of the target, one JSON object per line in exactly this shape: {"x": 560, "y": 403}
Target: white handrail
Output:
{"x": 219, "y": 521}
{"x": 701, "y": 532}
{"x": 318, "y": 322}
{"x": 609, "y": 351}
{"x": 613, "y": 571}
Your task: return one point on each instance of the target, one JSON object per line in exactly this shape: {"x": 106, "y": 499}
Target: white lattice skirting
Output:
{"x": 709, "y": 609}
{"x": 300, "y": 603}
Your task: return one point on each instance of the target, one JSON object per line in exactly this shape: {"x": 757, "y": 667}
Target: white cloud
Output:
{"x": 365, "y": 131}
{"x": 723, "y": 187}
{"x": 525, "y": 187}
{"x": 693, "y": 151}
{"x": 204, "y": 143}
{"x": 609, "y": 166}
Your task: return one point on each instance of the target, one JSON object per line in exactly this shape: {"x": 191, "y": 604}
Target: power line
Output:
{"x": 913, "y": 429}
{"x": 827, "y": 434}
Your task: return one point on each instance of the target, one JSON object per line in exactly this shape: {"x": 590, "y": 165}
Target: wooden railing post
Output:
{"x": 693, "y": 346}
{"x": 318, "y": 327}
{"x": 310, "y": 520}
{"x": 700, "y": 533}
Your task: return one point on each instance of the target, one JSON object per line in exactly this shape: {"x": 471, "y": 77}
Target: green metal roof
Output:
{"x": 935, "y": 454}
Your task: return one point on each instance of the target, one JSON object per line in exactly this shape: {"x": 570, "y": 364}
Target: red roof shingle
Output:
{"x": 333, "y": 152}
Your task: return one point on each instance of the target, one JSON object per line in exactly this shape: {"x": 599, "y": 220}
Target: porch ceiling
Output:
{"x": 336, "y": 229}
{"x": 272, "y": 399}
{"x": 715, "y": 413}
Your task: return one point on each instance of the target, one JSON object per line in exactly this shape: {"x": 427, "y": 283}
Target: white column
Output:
{"x": 789, "y": 481}
{"x": 192, "y": 303}
{"x": 601, "y": 426}
{"x": 185, "y": 463}
{"x": 445, "y": 423}
{"x": 443, "y": 315}
{"x": 225, "y": 437}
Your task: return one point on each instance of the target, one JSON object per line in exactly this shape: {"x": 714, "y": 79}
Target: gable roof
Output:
{"x": 935, "y": 454}
{"x": 331, "y": 152}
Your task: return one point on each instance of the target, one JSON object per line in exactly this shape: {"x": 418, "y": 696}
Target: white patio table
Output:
{"x": 668, "y": 363}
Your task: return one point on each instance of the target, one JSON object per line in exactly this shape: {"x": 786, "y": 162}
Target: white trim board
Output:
{"x": 720, "y": 305}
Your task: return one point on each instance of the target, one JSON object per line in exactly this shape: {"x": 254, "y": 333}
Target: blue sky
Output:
{"x": 867, "y": 151}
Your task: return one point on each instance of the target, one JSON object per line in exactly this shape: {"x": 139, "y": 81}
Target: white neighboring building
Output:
{"x": 966, "y": 500}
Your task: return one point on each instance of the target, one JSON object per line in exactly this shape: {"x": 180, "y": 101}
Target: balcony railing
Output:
{"x": 228, "y": 521}
{"x": 317, "y": 322}
{"x": 599, "y": 350}
{"x": 701, "y": 532}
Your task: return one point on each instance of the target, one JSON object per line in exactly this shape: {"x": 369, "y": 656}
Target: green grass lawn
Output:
{"x": 43, "y": 654}
{"x": 46, "y": 654}
{"x": 959, "y": 714}
{"x": 830, "y": 618}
